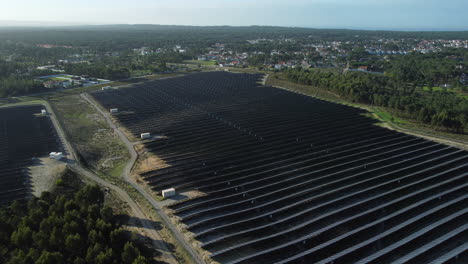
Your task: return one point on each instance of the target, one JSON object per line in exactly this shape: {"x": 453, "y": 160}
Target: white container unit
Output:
{"x": 56, "y": 155}
{"x": 169, "y": 192}
{"x": 44, "y": 112}
{"x": 145, "y": 135}
{"x": 114, "y": 110}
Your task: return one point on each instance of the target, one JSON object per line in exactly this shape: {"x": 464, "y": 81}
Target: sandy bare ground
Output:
{"x": 44, "y": 173}
{"x": 148, "y": 162}
{"x": 437, "y": 139}
{"x": 264, "y": 80}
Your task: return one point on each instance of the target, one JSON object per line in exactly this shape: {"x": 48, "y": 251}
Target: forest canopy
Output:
{"x": 440, "y": 109}
{"x": 74, "y": 229}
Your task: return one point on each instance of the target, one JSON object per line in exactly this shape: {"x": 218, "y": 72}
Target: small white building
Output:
{"x": 169, "y": 192}
{"x": 114, "y": 110}
{"x": 56, "y": 155}
{"x": 145, "y": 135}
{"x": 44, "y": 112}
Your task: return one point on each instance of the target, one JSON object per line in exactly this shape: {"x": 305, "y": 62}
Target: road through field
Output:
{"x": 149, "y": 198}
{"x": 145, "y": 223}
{"x": 149, "y": 230}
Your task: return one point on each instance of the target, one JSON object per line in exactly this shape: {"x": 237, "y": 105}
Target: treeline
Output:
{"x": 98, "y": 71}
{"x": 17, "y": 79}
{"x": 13, "y": 86}
{"x": 121, "y": 37}
{"x": 65, "y": 229}
{"x": 429, "y": 69}
{"x": 9, "y": 68}
{"x": 439, "y": 109}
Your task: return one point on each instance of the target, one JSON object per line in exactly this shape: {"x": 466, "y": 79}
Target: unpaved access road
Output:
{"x": 146, "y": 223}
{"x": 126, "y": 176}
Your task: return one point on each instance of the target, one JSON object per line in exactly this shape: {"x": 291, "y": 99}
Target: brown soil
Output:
{"x": 149, "y": 162}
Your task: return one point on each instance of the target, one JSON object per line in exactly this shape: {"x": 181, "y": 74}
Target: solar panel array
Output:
{"x": 294, "y": 179}
{"x": 24, "y": 134}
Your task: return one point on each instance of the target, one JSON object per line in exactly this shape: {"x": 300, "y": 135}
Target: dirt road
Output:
{"x": 149, "y": 229}
{"x": 74, "y": 165}
{"x": 126, "y": 176}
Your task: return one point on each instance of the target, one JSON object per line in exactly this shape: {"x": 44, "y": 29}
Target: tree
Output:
{"x": 52, "y": 230}
{"x": 18, "y": 256}
{"x": 93, "y": 252}
{"x": 106, "y": 213}
{"x": 130, "y": 253}
{"x": 118, "y": 238}
{"x": 73, "y": 242}
{"x": 56, "y": 238}
{"x": 140, "y": 260}
{"x": 79, "y": 260}
{"x": 50, "y": 258}
{"x": 105, "y": 257}
{"x": 22, "y": 237}
{"x": 90, "y": 194}
{"x": 41, "y": 239}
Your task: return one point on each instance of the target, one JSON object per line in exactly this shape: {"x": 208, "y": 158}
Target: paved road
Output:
{"x": 126, "y": 175}
{"x": 73, "y": 164}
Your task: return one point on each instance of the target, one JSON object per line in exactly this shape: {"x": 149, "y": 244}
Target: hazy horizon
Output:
{"x": 55, "y": 24}
{"x": 410, "y": 15}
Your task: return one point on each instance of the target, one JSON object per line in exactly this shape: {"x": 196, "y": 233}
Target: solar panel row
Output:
{"x": 295, "y": 179}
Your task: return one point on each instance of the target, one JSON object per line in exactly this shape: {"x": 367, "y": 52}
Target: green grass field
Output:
{"x": 458, "y": 91}
{"x": 203, "y": 63}
{"x": 90, "y": 135}
{"x": 59, "y": 78}
{"x": 388, "y": 117}
{"x": 439, "y": 89}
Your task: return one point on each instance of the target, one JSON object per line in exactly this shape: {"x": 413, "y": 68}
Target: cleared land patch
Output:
{"x": 97, "y": 144}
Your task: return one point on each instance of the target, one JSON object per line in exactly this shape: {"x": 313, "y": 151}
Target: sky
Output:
{"x": 351, "y": 14}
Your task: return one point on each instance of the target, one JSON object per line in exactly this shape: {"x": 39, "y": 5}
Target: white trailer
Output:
{"x": 169, "y": 192}
{"x": 114, "y": 110}
{"x": 145, "y": 135}
{"x": 58, "y": 156}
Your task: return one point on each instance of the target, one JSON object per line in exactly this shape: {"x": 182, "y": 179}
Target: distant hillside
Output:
{"x": 148, "y": 34}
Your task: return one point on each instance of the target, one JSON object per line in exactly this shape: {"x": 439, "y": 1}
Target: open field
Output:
{"x": 204, "y": 63}
{"x": 458, "y": 92}
{"x": 44, "y": 174}
{"x": 57, "y": 77}
{"x": 64, "y": 77}
{"x": 289, "y": 178}
{"x": 95, "y": 142}
{"x": 24, "y": 135}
